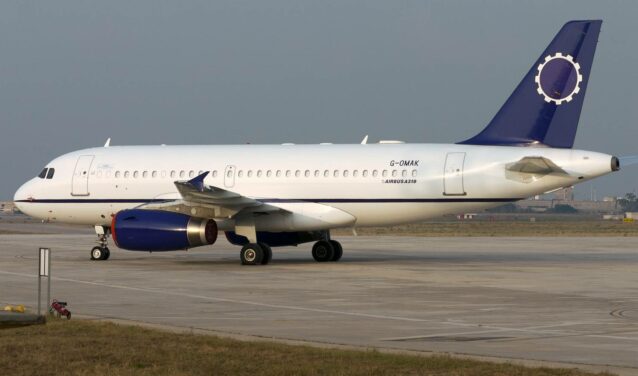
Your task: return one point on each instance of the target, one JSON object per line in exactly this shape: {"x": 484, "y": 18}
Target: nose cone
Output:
{"x": 22, "y": 195}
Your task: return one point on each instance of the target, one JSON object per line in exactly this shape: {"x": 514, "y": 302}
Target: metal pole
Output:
{"x": 39, "y": 277}
{"x": 48, "y": 280}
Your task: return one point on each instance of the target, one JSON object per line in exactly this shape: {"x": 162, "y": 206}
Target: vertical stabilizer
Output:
{"x": 545, "y": 106}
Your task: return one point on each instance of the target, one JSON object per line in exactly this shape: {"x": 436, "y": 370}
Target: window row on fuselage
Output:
{"x": 230, "y": 173}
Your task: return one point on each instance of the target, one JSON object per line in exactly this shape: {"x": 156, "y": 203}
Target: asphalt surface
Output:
{"x": 560, "y": 300}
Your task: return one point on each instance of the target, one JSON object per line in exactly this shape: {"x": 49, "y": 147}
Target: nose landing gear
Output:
{"x": 101, "y": 252}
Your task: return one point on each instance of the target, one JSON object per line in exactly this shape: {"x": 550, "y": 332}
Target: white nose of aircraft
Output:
{"x": 23, "y": 194}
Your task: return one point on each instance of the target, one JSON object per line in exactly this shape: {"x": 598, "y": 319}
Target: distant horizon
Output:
{"x": 74, "y": 74}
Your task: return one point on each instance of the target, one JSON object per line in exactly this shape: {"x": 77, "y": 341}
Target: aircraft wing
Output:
{"x": 210, "y": 201}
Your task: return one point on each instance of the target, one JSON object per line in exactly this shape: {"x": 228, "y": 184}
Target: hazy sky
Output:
{"x": 73, "y": 73}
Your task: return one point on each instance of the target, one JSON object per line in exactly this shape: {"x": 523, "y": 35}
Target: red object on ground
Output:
{"x": 60, "y": 309}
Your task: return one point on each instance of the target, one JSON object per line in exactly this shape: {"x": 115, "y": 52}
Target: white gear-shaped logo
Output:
{"x": 579, "y": 78}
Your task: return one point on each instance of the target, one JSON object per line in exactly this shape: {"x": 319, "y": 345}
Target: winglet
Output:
{"x": 198, "y": 181}
{"x": 108, "y": 142}
{"x": 365, "y": 140}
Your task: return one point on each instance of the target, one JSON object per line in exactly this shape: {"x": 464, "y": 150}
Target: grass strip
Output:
{"x": 80, "y": 347}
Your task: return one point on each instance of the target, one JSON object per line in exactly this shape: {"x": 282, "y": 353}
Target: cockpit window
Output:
{"x": 43, "y": 174}
{"x": 50, "y": 173}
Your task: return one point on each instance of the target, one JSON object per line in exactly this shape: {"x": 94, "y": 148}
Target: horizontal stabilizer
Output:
{"x": 536, "y": 166}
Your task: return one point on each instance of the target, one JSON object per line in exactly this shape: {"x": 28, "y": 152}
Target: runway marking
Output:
{"x": 488, "y": 328}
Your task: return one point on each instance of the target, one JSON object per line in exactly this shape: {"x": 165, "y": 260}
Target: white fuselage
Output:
{"x": 376, "y": 184}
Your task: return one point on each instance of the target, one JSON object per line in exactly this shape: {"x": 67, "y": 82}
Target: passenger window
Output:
{"x": 385, "y": 173}
{"x": 50, "y": 173}
{"x": 173, "y": 173}
{"x": 297, "y": 173}
{"x": 278, "y": 173}
{"x": 355, "y": 173}
{"x": 258, "y": 173}
{"x": 154, "y": 174}
{"x": 117, "y": 174}
{"x": 250, "y": 173}
{"x": 287, "y": 173}
{"x": 200, "y": 172}
{"x": 269, "y": 173}
{"x": 316, "y": 173}
{"x": 326, "y": 173}
{"x": 126, "y": 174}
{"x": 43, "y": 174}
{"x": 404, "y": 173}
{"x": 182, "y": 173}
{"x": 345, "y": 173}
{"x": 191, "y": 174}
{"x": 135, "y": 174}
{"x": 240, "y": 174}
{"x": 336, "y": 173}
{"x": 375, "y": 173}
{"x": 394, "y": 173}
{"x": 215, "y": 173}
{"x": 365, "y": 173}
{"x": 229, "y": 174}
{"x": 414, "y": 173}
{"x": 145, "y": 174}
{"x": 307, "y": 173}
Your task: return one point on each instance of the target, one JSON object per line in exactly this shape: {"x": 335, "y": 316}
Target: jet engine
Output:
{"x": 157, "y": 230}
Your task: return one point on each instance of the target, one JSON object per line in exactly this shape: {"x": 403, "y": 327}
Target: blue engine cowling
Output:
{"x": 277, "y": 239}
{"x": 157, "y": 230}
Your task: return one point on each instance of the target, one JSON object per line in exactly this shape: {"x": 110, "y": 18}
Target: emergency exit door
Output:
{"x": 453, "y": 175}
{"x": 80, "y": 179}
{"x": 229, "y": 176}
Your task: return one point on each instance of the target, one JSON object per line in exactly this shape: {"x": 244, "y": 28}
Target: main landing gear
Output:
{"x": 255, "y": 254}
{"x": 327, "y": 250}
{"x": 101, "y": 252}
{"x": 258, "y": 253}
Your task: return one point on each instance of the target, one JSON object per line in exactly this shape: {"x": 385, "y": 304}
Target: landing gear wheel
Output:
{"x": 251, "y": 254}
{"x": 106, "y": 254}
{"x": 267, "y": 253}
{"x": 97, "y": 253}
{"x": 338, "y": 250}
{"x": 323, "y": 251}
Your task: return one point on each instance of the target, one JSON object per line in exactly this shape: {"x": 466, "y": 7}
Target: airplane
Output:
{"x": 167, "y": 198}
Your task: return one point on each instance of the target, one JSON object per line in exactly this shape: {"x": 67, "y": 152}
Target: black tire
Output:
{"x": 251, "y": 254}
{"x": 323, "y": 251}
{"x": 106, "y": 254}
{"x": 97, "y": 253}
{"x": 338, "y": 250}
{"x": 267, "y": 253}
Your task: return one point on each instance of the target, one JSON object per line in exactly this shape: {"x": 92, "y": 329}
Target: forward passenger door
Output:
{"x": 80, "y": 179}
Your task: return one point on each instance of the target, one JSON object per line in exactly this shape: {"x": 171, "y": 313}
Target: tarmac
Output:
{"x": 570, "y": 302}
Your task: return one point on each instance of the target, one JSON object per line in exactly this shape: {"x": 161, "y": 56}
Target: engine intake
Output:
{"x": 157, "y": 230}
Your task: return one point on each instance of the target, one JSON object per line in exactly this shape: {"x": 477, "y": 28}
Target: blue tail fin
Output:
{"x": 545, "y": 107}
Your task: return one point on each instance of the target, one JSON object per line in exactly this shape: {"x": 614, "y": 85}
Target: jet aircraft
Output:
{"x": 165, "y": 198}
